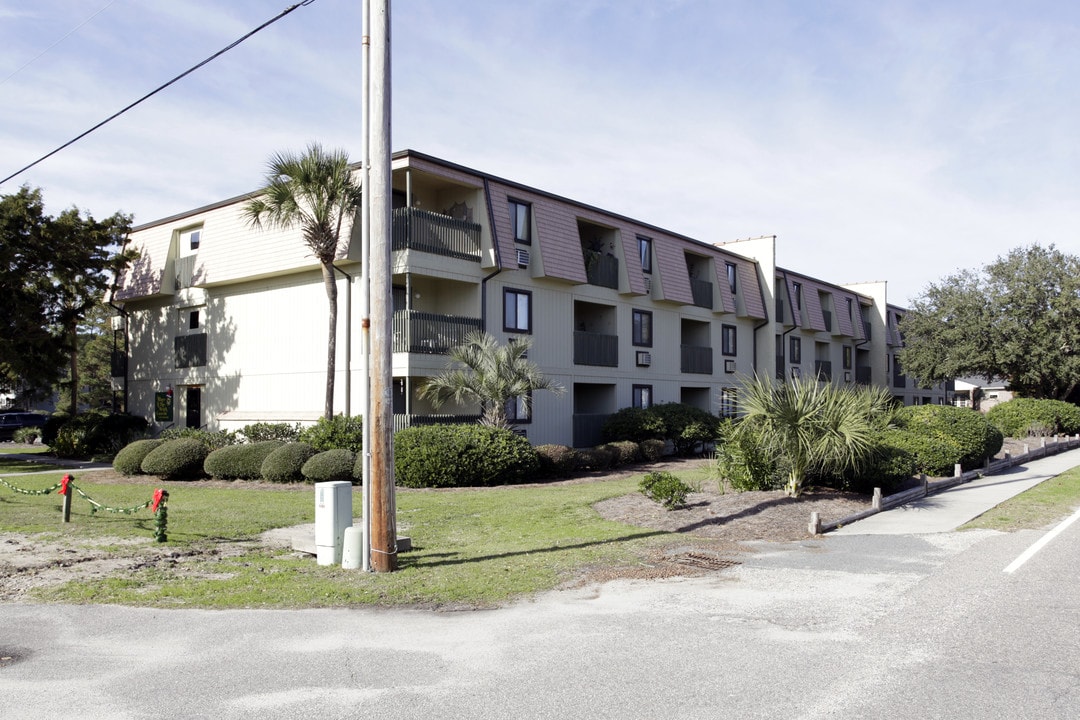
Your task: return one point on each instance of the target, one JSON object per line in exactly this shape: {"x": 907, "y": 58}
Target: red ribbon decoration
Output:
{"x": 157, "y": 499}
{"x": 64, "y": 485}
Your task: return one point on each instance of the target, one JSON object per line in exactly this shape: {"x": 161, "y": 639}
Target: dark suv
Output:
{"x": 12, "y": 421}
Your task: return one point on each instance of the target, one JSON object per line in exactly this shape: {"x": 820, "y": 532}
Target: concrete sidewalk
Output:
{"x": 948, "y": 510}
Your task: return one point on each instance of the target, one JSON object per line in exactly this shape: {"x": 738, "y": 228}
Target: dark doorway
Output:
{"x": 193, "y": 405}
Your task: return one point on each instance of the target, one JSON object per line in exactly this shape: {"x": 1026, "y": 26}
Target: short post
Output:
{"x": 925, "y": 484}
{"x": 1027, "y": 448}
{"x": 815, "y": 524}
{"x": 65, "y": 489}
{"x": 957, "y": 470}
{"x": 876, "y": 502}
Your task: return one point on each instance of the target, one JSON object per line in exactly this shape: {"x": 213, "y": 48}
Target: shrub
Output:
{"x": 52, "y": 427}
{"x": 338, "y": 464}
{"x": 27, "y": 435}
{"x": 180, "y": 459}
{"x": 934, "y": 454}
{"x": 129, "y": 460}
{"x": 339, "y": 432}
{"x": 239, "y": 462}
{"x": 263, "y": 431}
{"x": 1021, "y": 417}
{"x": 742, "y": 462}
{"x": 665, "y": 488}
{"x": 212, "y": 439}
{"x": 285, "y": 465}
{"x": 462, "y": 456}
{"x": 601, "y": 457}
{"x": 890, "y": 468}
{"x": 652, "y": 449}
{"x": 92, "y": 434}
{"x": 636, "y": 424}
{"x": 556, "y": 460}
{"x": 628, "y": 450}
{"x": 686, "y": 426}
{"x": 972, "y": 433}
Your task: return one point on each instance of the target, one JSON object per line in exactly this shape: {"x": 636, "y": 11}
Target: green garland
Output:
{"x": 24, "y": 491}
{"x": 95, "y": 505}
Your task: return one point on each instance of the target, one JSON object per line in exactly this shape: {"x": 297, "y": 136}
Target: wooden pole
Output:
{"x": 365, "y": 289}
{"x": 383, "y": 510}
{"x": 68, "y": 492}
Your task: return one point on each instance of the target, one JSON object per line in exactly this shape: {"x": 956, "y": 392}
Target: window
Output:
{"x": 520, "y": 222}
{"x": 642, "y": 396}
{"x": 193, "y": 320}
{"x": 189, "y": 320}
{"x": 189, "y": 241}
{"x": 729, "y": 402}
{"x": 795, "y": 354}
{"x": 519, "y": 409}
{"x": 642, "y": 330}
{"x": 645, "y": 251}
{"x": 729, "y": 339}
{"x": 797, "y": 290}
{"x": 850, "y": 311}
{"x": 517, "y": 311}
{"x": 732, "y": 274}
{"x": 847, "y": 357}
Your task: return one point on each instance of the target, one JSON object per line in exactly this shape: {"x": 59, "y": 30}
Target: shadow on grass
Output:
{"x": 455, "y": 559}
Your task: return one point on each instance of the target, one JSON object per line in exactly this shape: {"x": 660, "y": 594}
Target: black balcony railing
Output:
{"x": 781, "y": 362}
{"x": 589, "y": 429}
{"x": 702, "y": 293}
{"x": 823, "y": 369}
{"x": 430, "y": 232}
{"x": 190, "y": 350}
{"x": 602, "y": 270}
{"x": 863, "y": 375}
{"x": 118, "y": 363}
{"x": 866, "y": 329}
{"x": 596, "y": 349}
{"x": 430, "y": 333}
{"x": 696, "y": 359}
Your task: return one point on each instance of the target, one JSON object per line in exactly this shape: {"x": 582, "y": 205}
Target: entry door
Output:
{"x": 193, "y": 404}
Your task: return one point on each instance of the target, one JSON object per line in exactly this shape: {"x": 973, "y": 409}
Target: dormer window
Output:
{"x": 645, "y": 251}
{"x": 520, "y": 222}
{"x": 190, "y": 239}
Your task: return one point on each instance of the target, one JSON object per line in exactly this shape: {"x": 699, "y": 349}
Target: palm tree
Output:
{"x": 492, "y": 376}
{"x": 813, "y": 427}
{"x": 316, "y": 191}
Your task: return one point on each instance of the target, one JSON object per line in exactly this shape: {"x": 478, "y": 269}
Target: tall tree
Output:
{"x": 53, "y": 271}
{"x": 94, "y": 363}
{"x": 1017, "y": 319}
{"x": 316, "y": 191}
{"x": 492, "y": 376}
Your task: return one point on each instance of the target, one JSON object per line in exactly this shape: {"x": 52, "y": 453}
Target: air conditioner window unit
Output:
{"x": 523, "y": 258}
{"x": 648, "y": 285}
{"x": 644, "y": 358}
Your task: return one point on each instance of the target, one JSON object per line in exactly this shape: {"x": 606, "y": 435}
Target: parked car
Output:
{"x": 12, "y": 421}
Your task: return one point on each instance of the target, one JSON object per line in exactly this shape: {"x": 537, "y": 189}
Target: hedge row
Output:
{"x": 1027, "y": 417}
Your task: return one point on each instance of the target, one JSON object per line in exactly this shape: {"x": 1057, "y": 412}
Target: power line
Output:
{"x": 69, "y": 34}
{"x": 182, "y": 75}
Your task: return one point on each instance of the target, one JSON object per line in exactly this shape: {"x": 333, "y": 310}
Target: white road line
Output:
{"x": 1042, "y": 542}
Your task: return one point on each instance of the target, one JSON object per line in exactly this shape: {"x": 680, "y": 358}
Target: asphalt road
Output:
{"x": 862, "y": 626}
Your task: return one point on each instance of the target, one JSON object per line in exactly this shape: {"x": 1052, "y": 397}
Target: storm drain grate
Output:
{"x": 701, "y": 560}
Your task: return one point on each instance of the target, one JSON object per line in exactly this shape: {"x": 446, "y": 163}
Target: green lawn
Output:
{"x": 472, "y": 548}
{"x": 1044, "y": 504}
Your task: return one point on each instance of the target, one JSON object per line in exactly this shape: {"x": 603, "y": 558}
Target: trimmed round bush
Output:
{"x": 634, "y": 424}
{"x": 339, "y": 432}
{"x": 462, "y": 456}
{"x": 556, "y": 460}
{"x": 628, "y": 450}
{"x": 1023, "y": 417}
{"x": 972, "y": 433}
{"x": 263, "y": 431}
{"x": 889, "y": 467}
{"x": 601, "y": 457}
{"x": 330, "y": 466}
{"x": 212, "y": 439}
{"x": 934, "y": 454}
{"x": 652, "y": 450}
{"x": 180, "y": 459}
{"x": 285, "y": 465}
{"x": 239, "y": 462}
{"x": 129, "y": 460}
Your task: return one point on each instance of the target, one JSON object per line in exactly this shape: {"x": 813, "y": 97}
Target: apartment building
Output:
{"x": 224, "y": 325}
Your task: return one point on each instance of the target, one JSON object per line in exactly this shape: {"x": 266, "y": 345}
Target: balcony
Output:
{"x": 430, "y": 333}
{"x": 696, "y": 359}
{"x": 430, "y": 232}
{"x": 866, "y": 329}
{"x": 596, "y": 349}
{"x": 863, "y": 375}
{"x": 602, "y": 270}
{"x": 823, "y": 370}
{"x": 118, "y": 363}
{"x": 701, "y": 290}
{"x": 781, "y": 362}
{"x": 185, "y": 271}
{"x": 190, "y": 350}
{"x": 588, "y": 429}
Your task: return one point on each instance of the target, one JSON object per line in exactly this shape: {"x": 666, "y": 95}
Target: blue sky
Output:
{"x": 893, "y": 141}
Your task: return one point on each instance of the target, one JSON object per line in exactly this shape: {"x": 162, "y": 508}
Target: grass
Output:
{"x": 472, "y": 548}
{"x": 12, "y": 449}
{"x": 1044, "y": 504}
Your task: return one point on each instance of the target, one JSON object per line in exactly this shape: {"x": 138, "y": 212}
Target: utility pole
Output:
{"x": 381, "y": 412}
{"x": 365, "y": 283}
